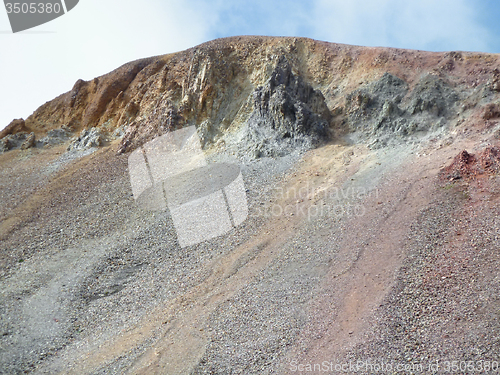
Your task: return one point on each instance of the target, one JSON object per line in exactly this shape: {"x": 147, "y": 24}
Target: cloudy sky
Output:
{"x": 98, "y": 36}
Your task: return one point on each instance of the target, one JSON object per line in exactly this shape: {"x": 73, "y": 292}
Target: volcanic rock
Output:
{"x": 87, "y": 139}
{"x": 55, "y": 137}
{"x": 13, "y": 141}
{"x": 29, "y": 142}
{"x": 469, "y": 166}
{"x": 16, "y": 126}
{"x": 288, "y": 115}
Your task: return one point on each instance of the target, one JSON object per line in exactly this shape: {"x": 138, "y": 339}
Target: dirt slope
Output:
{"x": 372, "y": 237}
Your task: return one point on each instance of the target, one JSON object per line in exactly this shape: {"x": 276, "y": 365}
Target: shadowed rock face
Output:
{"x": 387, "y": 111}
{"x": 288, "y": 114}
{"x": 378, "y": 102}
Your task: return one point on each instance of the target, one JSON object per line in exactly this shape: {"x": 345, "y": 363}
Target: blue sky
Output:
{"x": 98, "y": 36}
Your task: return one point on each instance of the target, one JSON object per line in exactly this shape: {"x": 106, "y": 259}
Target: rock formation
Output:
{"x": 371, "y": 176}
{"x": 239, "y": 88}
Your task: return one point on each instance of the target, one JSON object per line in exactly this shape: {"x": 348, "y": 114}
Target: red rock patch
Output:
{"x": 469, "y": 166}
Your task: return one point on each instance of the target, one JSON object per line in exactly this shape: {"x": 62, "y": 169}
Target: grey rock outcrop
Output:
{"x": 432, "y": 95}
{"x": 369, "y": 107}
{"x": 5, "y": 145}
{"x": 386, "y": 111}
{"x": 13, "y": 141}
{"x": 288, "y": 115}
{"x": 88, "y": 138}
{"x": 55, "y": 137}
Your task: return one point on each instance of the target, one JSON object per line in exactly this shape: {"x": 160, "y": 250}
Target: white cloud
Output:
{"x": 423, "y": 24}
{"x": 92, "y": 39}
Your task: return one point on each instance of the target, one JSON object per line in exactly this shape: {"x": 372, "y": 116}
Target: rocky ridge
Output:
{"x": 372, "y": 177}
{"x": 302, "y": 91}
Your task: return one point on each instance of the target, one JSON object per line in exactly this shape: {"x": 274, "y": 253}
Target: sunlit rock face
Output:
{"x": 265, "y": 96}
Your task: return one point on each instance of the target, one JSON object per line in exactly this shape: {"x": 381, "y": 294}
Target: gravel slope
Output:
{"x": 397, "y": 267}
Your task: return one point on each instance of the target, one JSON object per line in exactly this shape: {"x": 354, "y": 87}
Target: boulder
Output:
{"x": 29, "y": 142}
{"x": 16, "y": 126}
{"x": 491, "y": 111}
{"x": 12, "y": 141}
{"x": 88, "y": 138}
{"x": 5, "y": 145}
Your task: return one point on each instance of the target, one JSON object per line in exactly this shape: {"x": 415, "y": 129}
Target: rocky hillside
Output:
{"x": 276, "y": 94}
{"x": 372, "y": 180}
